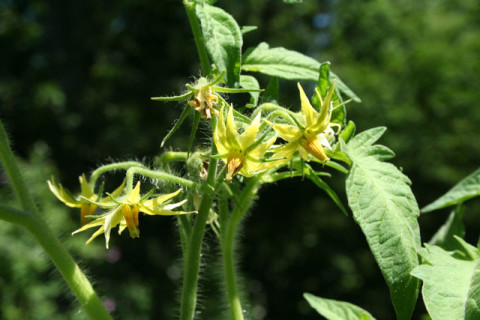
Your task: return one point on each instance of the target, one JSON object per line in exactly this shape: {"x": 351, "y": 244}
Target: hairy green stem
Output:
{"x": 112, "y": 167}
{"x": 197, "y": 34}
{"x": 191, "y": 265}
{"x": 172, "y": 156}
{"x": 31, "y": 219}
{"x": 14, "y": 175}
{"x": 228, "y": 246}
{"x": 156, "y": 175}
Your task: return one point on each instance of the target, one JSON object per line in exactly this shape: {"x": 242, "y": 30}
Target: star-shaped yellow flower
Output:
{"x": 243, "y": 152}
{"x": 86, "y": 208}
{"x": 312, "y": 136}
{"x": 124, "y": 212}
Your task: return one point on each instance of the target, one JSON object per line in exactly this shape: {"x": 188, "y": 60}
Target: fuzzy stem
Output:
{"x": 14, "y": 175}
{"x": 228, "y": 246}
{"x": 31, "y": 219}
{"x": 172, "y": 156}
{"x": 197, "y": 34}
{"x": 157, "y": 175}
{"x": 191, "y": 265}
{"x": 111, "y": 167}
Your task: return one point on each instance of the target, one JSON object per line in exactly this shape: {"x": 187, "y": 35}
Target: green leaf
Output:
{"x": 287, "y": 64}
{"x": 280, "y": 62}
{"x": 466, "y": 189}
{"x": 337, "y": 310}
{"x": 271, "y": 93}
{"x": 444, "y": 237}
{"x": 451, "y": 287}
{"x": 211, "y": 2}
{"x": 223, "y": 40}
{"x": 385, "y": 208}
{"x": 249, "y": 82}
{"x": 246, "y": 29}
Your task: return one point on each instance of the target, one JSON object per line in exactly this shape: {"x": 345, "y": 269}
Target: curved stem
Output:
{"x": 172, "y": 156}
{"x": 14, "y": 175}
{"x": 111, "y": 167}
{"x": 31, "y": 219}
{"x": 70, "y": 271}
{"x": 228, "y": 246}
{"x": 197, "y": 34}
{"x": 156, "y": 175}
{"x": 191, "y": 265}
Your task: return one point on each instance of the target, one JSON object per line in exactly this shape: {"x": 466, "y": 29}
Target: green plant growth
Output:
{"x": 251, "y": 146}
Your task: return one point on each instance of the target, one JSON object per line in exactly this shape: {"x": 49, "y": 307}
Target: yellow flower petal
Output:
{"x": 86, "y": 190}
{"x": 96, "y": 234}
{"x": 307, "y": 109}
{"x": 158, "y": 201}
{"x": 249, "y": 136}
{"x": 62, "y": 195}
{"x": 111, "y": 221}
{"x": 231, "y": 130}
{"x": 287, "y": 132}
{"x": 134, "y": 195}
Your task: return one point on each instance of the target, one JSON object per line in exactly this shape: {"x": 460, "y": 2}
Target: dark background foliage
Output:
{"x": 75, "y": 83}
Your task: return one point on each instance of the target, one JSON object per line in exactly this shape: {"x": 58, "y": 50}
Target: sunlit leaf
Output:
{"x": 287, "y": 64}
{"x": 223, "y": 40}
{"x": 249, "y": 82}
{"x": 337, "y": 310}
{"x": 466, "y": 189}
{"x": 385, "y": 208}
{"x": 451, "y": 287}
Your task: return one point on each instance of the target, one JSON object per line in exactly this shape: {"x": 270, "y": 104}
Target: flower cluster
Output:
{"x": 122, "y": 208}
{"x": 245, "y": 153}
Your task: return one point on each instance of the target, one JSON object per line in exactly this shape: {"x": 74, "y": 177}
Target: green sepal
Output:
{"x": 348, "y": 132}
{"x": 177, "y": 125}
{"x": 233, "y": 90}
{"x": 100, "y": 191}
{"x": 311, "y": 174}
{"x": 182, "y": 97}
{"x": 100, "y": 204}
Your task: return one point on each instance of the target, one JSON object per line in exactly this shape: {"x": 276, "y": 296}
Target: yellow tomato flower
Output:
{"x": 204, "y": 99}
{"x": 243, "y": 153}
{"x": 314, "y": 134}
{"x": 86, "y": 208}
{"x": 124, "y": 212}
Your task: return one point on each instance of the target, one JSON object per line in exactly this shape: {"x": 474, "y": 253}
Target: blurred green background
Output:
{"x": 75, "y": 83}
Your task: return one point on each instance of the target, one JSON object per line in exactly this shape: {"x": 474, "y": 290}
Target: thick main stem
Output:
{"x": 191, "y": 265}
{"x": 31, "y": 219}
{"x": 228, "y": 246}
